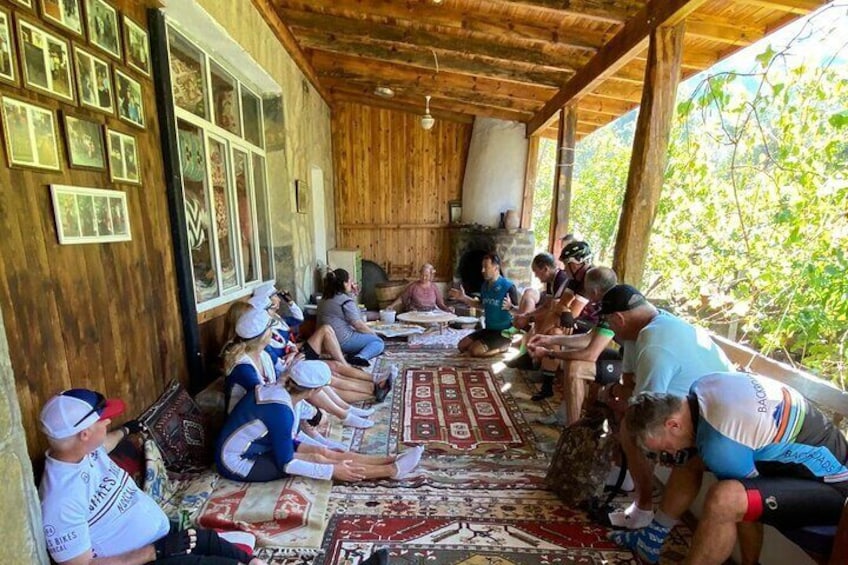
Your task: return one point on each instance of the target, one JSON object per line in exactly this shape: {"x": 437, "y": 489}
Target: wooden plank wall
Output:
{"x": 99, "y": 315}
{"x": 393, "y": 184}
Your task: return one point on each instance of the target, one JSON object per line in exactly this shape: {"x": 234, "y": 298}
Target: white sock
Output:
{"x": 355, "y": 421}
{"x": 407, "y": 461}
{"x": 362, "y": 412}
{"x": 632, "y": 517}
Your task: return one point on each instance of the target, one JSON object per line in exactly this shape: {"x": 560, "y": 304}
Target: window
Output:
{"x": 224, "y": 180}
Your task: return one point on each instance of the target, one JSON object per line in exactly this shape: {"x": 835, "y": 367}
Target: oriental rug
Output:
{"x": 483, "y": 541}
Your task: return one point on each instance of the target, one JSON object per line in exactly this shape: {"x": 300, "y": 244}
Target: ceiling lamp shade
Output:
{"x": 384, "y": 92}
{"x": 427, "y": 121}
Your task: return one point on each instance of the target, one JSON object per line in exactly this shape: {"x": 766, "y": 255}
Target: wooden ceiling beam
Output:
{"x": 419, "y": 91}
{"x": 448, "y": 61}
{"x": 627, "y": 43}
{"x": 613, "y": 11}
{"x": 289, "y": 43}
{"x": 437, "y": 113}
{"x": 416, "y": 105}
{"x": 798, "y": 7}
{"x": 346, "y": 66}
{"x": 608, "y": 106}
{"x": 498, "y": 20}
{"x": 723, "y": 30}
{"x": 330, "y": 27}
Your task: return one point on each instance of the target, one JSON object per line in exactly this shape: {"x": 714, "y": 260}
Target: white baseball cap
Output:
{"x": 260, "y": 302}
{"x": 310, "y": 374}
{"x": 265, "y": 290}
{"x": 74, "y": 410}
{"x": 253, "y": 324}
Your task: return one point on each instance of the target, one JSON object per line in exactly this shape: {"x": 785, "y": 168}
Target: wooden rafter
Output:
{"x": 448, "y": 61}
{"x": 434, "y": 37}
{"x": 413, "y": 102}
{"x": 500, "y": 21}
{"x": 798, "y": 7}
{"x": 616, "y": 53}
{"x": 289, "y": 43}
{"x": 602, "y": 10}
{"x": 346, "y": 66}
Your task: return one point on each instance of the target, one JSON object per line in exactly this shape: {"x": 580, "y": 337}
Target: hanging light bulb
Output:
{"x": 427, "y": 121}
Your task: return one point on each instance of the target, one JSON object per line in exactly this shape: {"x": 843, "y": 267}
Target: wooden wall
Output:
{"x": 393, "y": 184}
{"x": 98, "y": 315}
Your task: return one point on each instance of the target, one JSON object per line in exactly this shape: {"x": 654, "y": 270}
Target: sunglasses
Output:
{"x": 676, "y": 459}
{"x": 101, "y": 404}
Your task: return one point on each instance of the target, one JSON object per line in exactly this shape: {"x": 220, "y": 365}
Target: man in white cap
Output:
{"x": 93, "y": 512}
{"x": 257, "y": 442}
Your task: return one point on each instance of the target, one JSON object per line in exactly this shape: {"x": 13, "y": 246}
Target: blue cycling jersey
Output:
{"x": 748, "y": 425}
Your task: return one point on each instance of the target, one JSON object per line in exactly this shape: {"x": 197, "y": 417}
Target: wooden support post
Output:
{"x": 650, "y": 145}
{"x": 561, "y": 208}
{"x": 531, "y": 172}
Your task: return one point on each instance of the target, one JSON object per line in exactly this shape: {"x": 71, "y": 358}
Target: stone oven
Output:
{"x": 469, "y": 244}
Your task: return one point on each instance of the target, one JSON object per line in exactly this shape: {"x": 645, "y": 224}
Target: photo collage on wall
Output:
{"x": 89, "y": 57}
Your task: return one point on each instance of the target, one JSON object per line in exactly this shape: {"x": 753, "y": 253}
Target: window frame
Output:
{"x": 210, "y": 130}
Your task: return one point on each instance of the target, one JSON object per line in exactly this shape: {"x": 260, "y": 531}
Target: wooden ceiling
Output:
{"x": 510, "y": 59}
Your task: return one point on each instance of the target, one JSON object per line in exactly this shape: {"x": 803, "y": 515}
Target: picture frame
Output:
{"x": 94, "y": 81}
{"x": 128, "y": 99}
{"x": 24, "y": 3}
{"x": 65, "y": 14}
{"x": 30, "y": 135}
{"x": 102, "y": 21}
{"x": 455, "y": 212}
{"x": 136, "y": 47}
{"x": 84, "y": 140}
{"x": 90, "y": 215}
{"x": 122, "y": 150}
{"x": 8, "y": 56}
{"x": 45, "y": 61}
{"x": 301, "y": 196}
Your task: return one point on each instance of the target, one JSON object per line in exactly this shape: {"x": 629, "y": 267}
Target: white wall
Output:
{"x": 494, "y": 173}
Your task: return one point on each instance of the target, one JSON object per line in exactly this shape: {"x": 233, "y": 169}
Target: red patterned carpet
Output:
{"x": 477, "y": 498}
{"x": 457, "y": 410}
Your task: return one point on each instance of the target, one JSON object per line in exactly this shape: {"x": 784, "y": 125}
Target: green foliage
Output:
{"x": 752, "y": 226}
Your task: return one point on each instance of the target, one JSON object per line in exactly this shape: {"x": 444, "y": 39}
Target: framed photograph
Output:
{"x": 85, "y": 143}
{"x": 102, "y": 21}
{"x": 94, "y": 81}
{"x": 455, "y": 212}
{"x": 46, "y": 61}
{"x": 128, "y": 99}
{"x": 301, "y": 196}
{"x": 123, "y": 157}
{"x": 30, "y": 132}
{"x": 136, "y": 47}
{"x": 90, "y": 215}
{"x": 24, "y": 3}
{"x": 66, "y": 14}
{"x": 8, "y": 60}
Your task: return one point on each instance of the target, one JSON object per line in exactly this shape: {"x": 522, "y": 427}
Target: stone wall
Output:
{"x": 515, "y": 247}
{"x": 20, "y": 520}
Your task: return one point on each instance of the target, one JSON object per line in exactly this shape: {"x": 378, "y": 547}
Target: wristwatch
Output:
{"x": 551, "y": 354}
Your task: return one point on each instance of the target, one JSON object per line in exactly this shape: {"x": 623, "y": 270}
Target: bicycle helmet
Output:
{"x": 578, "y": 250}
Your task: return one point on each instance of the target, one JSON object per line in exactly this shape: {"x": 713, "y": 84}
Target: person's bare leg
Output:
{"x": 350, "y": 371}
{"x": 324, "y": 342}
{"x": 359, "y": 458}
{"x": 750, "y": 542}
{"x": 480, "y": 349}
{"x": 325, "y": 403}
{"x": 333, "y": 395}
{"x": 641, "y": 469}
{"x": 682, "y": 488}
{"x": 574, "y": 391}
{"x": 715, "y": 537}
{"x": 351, "y": 390}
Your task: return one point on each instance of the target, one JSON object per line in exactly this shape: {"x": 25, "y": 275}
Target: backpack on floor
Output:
{"x": 583, "y": 459}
